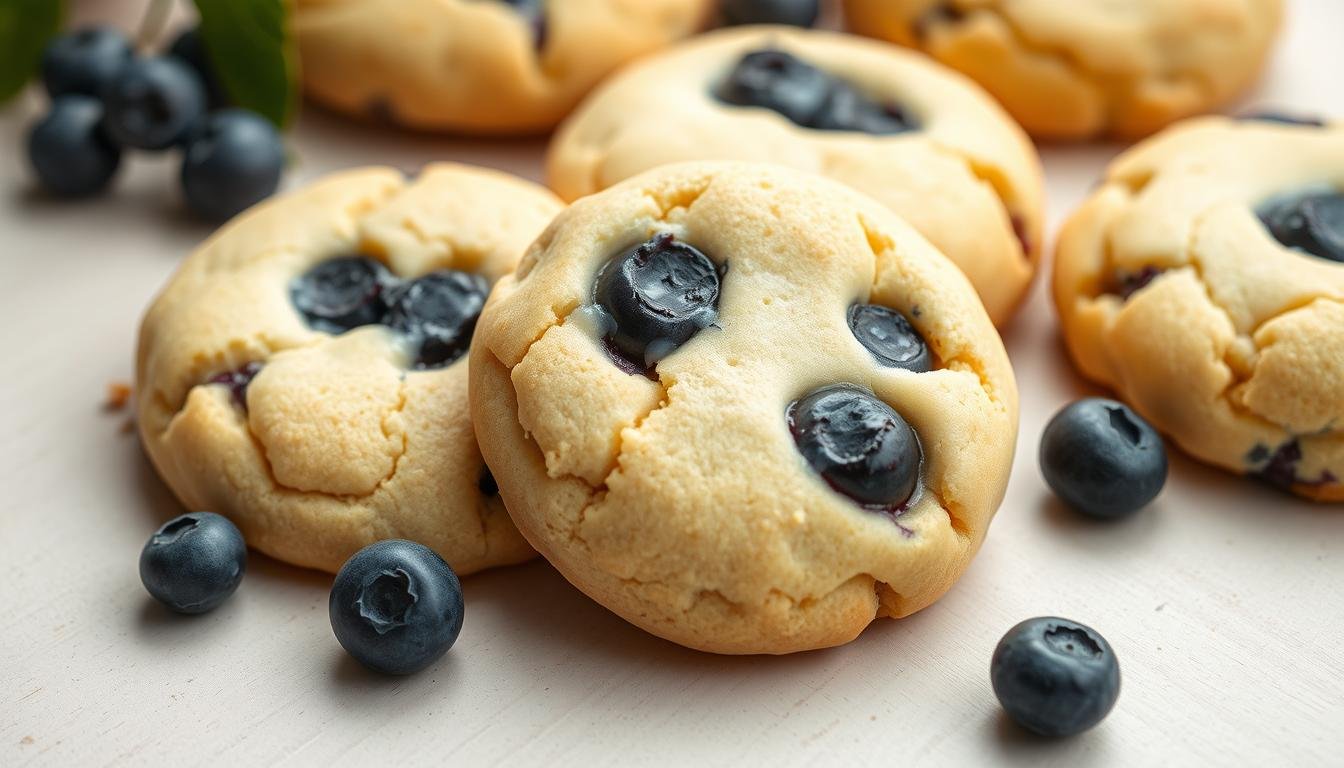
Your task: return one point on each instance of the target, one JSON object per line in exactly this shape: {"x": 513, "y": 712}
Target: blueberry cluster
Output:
{"x": 105, "y": 99}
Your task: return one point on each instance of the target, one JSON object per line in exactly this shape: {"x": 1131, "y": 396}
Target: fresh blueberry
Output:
{"x": 154, "y": 103}
{"x": 194, "y": 562}
{"x": 69, "y": 151}
{"x": 1312, "y": 223}
{"x": 1054, "y": 676}
{"x": 342, "y": 293}
{"x": 238, "y": 381}
{"x": 1307, "y": 121}
{"x": 890, "y": 337}
{"x": 84, "y": 62}
{"x": 396, "y": 606}
{"x": 1102, "y": 459}
{"x": 439, "y": 312}
{"x": 233, "y": 161}
{"x": 190, "y": 48}
{"x": 658, "y": 295}
{"x": 858, "y": 444}
{"x": 797, "y": 13}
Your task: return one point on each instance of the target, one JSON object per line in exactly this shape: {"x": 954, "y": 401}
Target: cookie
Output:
{"x": 1088, "y": 68}
{"x": 476, "y": 66}
{"x": 304, "y": 372}
{"x": 1204, "y": 282}
{"x": 919, "y": 138}
{"x": 744, "y": 407}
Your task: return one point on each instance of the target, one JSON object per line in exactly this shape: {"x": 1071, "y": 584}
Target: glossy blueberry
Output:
{"x": 231, "y": 162}
{"x": 190, "y": 48}
{"x": 84, "y": 62}
{"x": 154, "y": 103}
{"x": 797, "y": 13}
{"x": 858, "y": 444}
{"x": 396, "y": 606}
{"x": 890, "y": 337}
{"x": 1312, "y": 223}
{"x": 69, "y": 152}
{"x": 1282, "y": 118}
{"x": 342, "y": 293}
{"x": 194, "y": 562}
{"x": 658, "y": 295}
{"x": 1054, "y": 676}
{"x": 238, "y": 381}
{"x": 438, "y": 312}
{"x": 1102, "y": 459}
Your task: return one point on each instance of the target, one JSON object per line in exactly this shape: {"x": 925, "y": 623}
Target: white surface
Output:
{"x": 1222, "y": 600}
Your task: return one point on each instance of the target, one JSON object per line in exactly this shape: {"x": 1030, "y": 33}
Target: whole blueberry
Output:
{"x": 85, "y": 61}
{"x": 858, "y": 444}
{"x": 777, "y": 81}
{"x": 154, "y": 103}
{"x": 658, "y": 294}
{"x": 1054, "y": 676}
{"x": 194, "y": 562}
{"x": 890, "y": 337}
{"x": 231, "y": 162}
{"x": 190, "y": 48}
{"x": 1102, "y": 459}
{"x": 797, "y": 13}
{"x": 396, "y": 606}
{"x": 1312, "y": 223}
{"x": 69, "y": 151}
{"x": 439, "y": 312}
{"x": 342, "y": 293}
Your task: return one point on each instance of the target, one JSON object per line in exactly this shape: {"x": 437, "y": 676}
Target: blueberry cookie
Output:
{"x": 1204, "y": 282}
{"x": 919, "y": 138}
{"x": 744, "y": 407}
{"x": 477, "y": 66}
{"x": 1086, "y": 68}
{"x": 304, "y": 372}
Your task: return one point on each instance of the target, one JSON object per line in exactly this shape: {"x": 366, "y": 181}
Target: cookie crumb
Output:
{"x": 118, "y": 395}
{"x": 25, "y": 741}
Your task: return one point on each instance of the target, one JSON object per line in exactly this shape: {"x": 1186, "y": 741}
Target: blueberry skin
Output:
{"x": 1054, "y": 676}
{"x": 154, "y": 103}
{"x": 69, "y": 152}
{"x": 858, "y": 444}
{"x": 194, "y": 562}
{"x": 439, "y": 311}
{"x": 797, "y": 13}
{"x": 890, "y": 337}
{"x": 190, "y": 48}
{"x": 1312, "y": 223}
{"x": 84, "y": 62}
{"x": 1102, "y": 459}
{"x": 396, "y": 606}
{"x": 342, "y": 293}
{"x": 232, "y": 162}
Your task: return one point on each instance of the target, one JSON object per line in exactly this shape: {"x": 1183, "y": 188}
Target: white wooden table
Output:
{"x": 1223, "y": 600}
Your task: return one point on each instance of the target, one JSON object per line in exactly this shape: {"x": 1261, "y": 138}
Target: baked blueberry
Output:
{"x": 1312, "y": 223}
{"x": 534, "y": 12}
{"x": 342, "y": 293}
{"x": 69, "y": 151}
{"x": 396, "y": 606}
{"x": 190, "y": 48}
{"x": 153, "y": 103}
{"x": 232, "y": 162}
{"x": 858, "y": 444}
{"x": 1054, "y": 676}
{"x": 438, "y": 311}
{"x": 658, "y": 295}
{"x": 1130, "y": 283}
{"x": 237, "y": 381}
{"x": 84, "y": 62}
{"x": 849, "y": 110}
{"x": 797, "y": 13}
{"x": 194, "y": 562}
{"x": 1102, "y": 459}
{"x": 890, "y": 337}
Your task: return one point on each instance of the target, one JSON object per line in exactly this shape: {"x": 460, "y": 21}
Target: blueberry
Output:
{"x": 890, "y": 337}
{"x": 396, "y": 606}
{"x": 1285, "y": 119}
{"x": 154, "y": 103}
{"x": 848, "y": 110}
{"x": 68, "y": 149}
{"x": 84, "y": 62}
{"x": 342, "y": 293}
{"x": 439, "y": 312}
{"x": 190, "y": 48}
{"x": 535, "y": 14}
{"x": 238, "y": 381}
{"x": 1130, "y": 283}
{"x": 233, "y": 161}
{"x": 1054, "y": 676}
{"x": 858, "y": 444}
{"x": 1312, "y": 223}
{"x": 797, "y": 13}
{"x": 194, "y": 562}
{"x": 1102, "y": 459}
{"x": 658, "y": 295}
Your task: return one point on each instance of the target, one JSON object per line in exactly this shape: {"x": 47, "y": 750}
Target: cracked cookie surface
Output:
{"x": 477, "y": 66}
{"x": 680, "y": 499}
{"x": 1088, "y": 67}
{"x": 965, "y": 176}
{"x": 317, "y": 444}
{"x": 1173, "y": 292}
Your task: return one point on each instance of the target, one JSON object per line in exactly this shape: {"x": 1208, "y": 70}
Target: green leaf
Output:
{"x": 253, "y": 54}
{"x": 25, "y": 28}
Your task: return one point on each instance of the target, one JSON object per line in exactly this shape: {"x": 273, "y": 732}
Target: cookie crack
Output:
{"x": 233, "y": 355}
{"x": 997, "y": 180}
